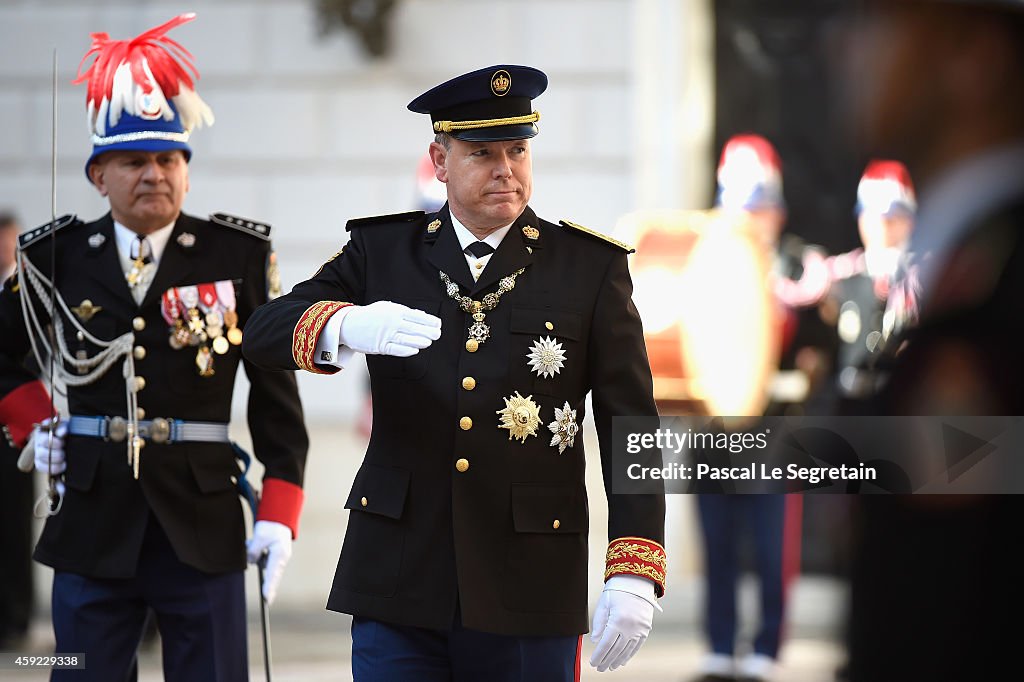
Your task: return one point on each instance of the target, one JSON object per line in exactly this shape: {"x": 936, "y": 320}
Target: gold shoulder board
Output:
{"x": 603, "y": 237}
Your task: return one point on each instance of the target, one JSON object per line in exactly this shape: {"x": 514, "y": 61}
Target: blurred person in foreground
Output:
{"x": 16, "y": 498}
{"x": 151, "y": 304}
{"x": 940, "y": 85}
{"x": 484, "y": 328}
{"x": 750, "y": 200}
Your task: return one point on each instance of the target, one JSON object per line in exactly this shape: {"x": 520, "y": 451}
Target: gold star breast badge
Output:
{"x": 521, "y": 416}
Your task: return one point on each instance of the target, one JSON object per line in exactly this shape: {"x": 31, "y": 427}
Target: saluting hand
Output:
{"x": 622, "y": 620}
{"x": 388, "y": 328}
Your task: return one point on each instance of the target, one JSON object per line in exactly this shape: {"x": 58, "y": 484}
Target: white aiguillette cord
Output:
{"x": 51, "y": 336}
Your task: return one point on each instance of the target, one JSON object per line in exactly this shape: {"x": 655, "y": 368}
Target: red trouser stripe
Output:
{"x": 579, "y": 656}
{"x": 792, "y": 526}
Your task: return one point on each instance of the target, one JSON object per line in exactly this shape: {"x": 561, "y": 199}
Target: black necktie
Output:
{"x": 479, "y": 249}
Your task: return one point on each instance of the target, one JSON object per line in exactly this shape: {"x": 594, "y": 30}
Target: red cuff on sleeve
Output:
{"x": 281, "y": 502}
{"x": 23, "y": 408}
{"x": 307, "y": 333}
{"x": 637, "y": 556}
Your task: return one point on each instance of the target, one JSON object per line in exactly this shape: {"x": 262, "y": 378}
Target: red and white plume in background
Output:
{"x": 139, "y": 76}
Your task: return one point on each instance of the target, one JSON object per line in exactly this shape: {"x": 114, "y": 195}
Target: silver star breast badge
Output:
{"x": 546, "y": 357}
{"x": 564, "y": 427}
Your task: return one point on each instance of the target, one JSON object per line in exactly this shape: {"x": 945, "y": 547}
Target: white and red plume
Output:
{"x": 150, "y": 77}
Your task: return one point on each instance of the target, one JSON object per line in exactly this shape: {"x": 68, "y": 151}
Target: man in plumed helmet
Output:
{"x": 869, "y": 293}
{"x": 484, "y": 328}
{"x": 150, "y": 306}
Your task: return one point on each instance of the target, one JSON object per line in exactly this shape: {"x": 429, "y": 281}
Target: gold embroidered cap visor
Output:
{"x": 486, "y": 105}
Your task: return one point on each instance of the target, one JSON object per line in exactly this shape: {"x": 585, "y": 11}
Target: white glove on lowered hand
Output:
{"x": 388, "y": 328}
{"x": 275, "y": 539}
{"x": 49, "y": 447}
{"x": 622, "y": 620}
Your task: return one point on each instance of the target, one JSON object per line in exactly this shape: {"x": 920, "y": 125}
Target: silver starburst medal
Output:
{"x": 546, "y": 357}
{"x": 564, "y": 427}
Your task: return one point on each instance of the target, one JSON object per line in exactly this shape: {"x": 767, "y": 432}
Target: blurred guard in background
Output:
{"x": 940, "y": 85}
{"x": 868, "y": 293}
{"x": 484, "y": 328}
{"x": 151, "y": 304}
{"x": 749, "y": 199}
{"x": 16, "y": 497}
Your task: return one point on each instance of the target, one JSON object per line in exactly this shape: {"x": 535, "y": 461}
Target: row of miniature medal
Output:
{"x": 521, "y": 416}
{"x": 197, "y": 316}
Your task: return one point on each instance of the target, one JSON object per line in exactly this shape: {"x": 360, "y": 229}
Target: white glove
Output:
{"x": 387, "y": 328}
{"x": 275, "y": 539}
{"x": 49, "y": 447}
{"x": 622, "y": 620}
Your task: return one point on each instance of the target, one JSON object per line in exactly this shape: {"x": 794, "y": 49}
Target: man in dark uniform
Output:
{"x": 484, "y": 328}
{"x": 151, "y": 304}
{"x": 16, "y": 498}
{"x": 941, "y": 87}
{"x": 867, "y": 293}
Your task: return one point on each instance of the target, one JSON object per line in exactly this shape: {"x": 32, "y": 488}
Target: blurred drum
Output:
{"x": 702, "y": 285}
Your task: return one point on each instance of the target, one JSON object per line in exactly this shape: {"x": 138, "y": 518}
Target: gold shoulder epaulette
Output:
{"x": 252, "y": 227}
{"x": 603, "y": 237}
{"x": 381, "y": 219}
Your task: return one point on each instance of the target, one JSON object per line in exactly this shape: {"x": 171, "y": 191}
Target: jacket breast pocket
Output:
{"x": 546, "y": 559}
{"x": 371, "y": 558}
{"x": 102, "y": 326}
{"x": 413, "y": 367}
{"x": 547, "y": 352}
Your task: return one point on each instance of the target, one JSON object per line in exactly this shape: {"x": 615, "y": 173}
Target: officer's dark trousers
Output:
{"x": 382, "y": 652}
{"x": 201, "y": 619}
{"x": 16, "y": 500}
{"x": 724, "y": 521}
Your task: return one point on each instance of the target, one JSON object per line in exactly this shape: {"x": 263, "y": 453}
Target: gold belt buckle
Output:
{"x": 117, "y": 429}
{"x": 160, "y": 430}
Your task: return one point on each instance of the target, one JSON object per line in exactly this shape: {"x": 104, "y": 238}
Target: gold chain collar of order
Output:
{"x": 479, "y": 331}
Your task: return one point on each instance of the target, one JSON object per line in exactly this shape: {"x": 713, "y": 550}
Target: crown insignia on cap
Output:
{"x": 501, "y": 81}
{"x": 142, "y": 89}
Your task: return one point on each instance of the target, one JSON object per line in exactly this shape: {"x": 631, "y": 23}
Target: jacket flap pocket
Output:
{"x": 548, "y": 509}
{"x": 379, "y": 490}
{"x": 546, "y": 322}
{"x": 213, "y": 466}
